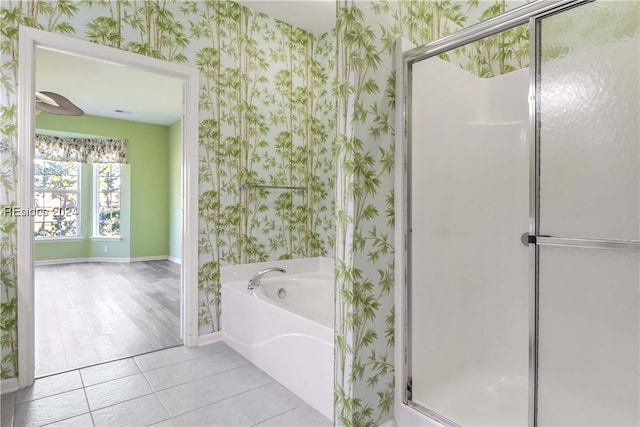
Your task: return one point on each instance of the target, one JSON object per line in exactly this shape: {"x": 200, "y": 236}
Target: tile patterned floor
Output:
{"x": 204, "y": 386}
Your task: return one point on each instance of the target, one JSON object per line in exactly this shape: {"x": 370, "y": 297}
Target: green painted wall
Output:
{"x": 175, "y": 190}
{"x": 145, "y": 192}
{"x": 149, "y": 158}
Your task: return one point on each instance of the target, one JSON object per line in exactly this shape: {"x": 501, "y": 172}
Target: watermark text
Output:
{"x": 16, "y": 211}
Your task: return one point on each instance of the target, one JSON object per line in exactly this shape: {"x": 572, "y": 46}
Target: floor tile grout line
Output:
{"x": 281, "y": 413}
{"x": 86, "y": 398}
{"x": 47, "y": 396}
{"x": 102, "y": 362}
{"x": 126, "y": 400}
{"x": 91, "y": 412}
{"x": 277, "y": 415}
{"x": 155, "y": 393}
{"x": 160, "y": 367}
{"x": 68, "y": 418}
{"x": 179, "y": 384}
{"x": 163, "y": 406}
{"x": 61, "y": 419}
{"x": 120, "y": 402}
{"x": 206, "y": 375}
{"x": 85, "y": 386}
{"x": 221, "y": 400}
{"x": 112, "y": 379}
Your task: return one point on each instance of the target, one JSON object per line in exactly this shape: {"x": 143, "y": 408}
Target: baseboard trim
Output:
{"x": 209, "y": 338}
{"x": 149, "y": 258}
{"x": 100, "y": 259}
{"x": 75, "y": 260}
{"x": 8, "y": 386}
{"x": 175, "y": 260}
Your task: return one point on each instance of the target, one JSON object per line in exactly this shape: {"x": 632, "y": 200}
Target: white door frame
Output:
{"x": 30, "y": 39}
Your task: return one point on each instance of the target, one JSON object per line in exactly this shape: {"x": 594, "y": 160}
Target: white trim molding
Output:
{"x": 24, "y": 197}
{"x": 29, "y": 40}
{"x": 39, "y": 240}
{"x": 105, "y": 259}
{"x": 211, "y": 338}
{"x": 8, "y": 385}
{"x": 77, "y": 260}
{"x": 149, "y": 258}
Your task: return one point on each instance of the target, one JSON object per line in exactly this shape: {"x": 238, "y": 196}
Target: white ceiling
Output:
{"x": 101, "y": 88}
{"x": 315, "y": 16}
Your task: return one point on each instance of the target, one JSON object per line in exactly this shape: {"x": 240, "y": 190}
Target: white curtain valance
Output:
{"x": 82, "y": 150}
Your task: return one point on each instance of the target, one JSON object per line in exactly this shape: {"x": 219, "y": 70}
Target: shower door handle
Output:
{"x": 528, "y": 239}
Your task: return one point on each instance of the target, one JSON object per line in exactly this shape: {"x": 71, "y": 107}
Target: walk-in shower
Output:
{"x": 523, "y": 219}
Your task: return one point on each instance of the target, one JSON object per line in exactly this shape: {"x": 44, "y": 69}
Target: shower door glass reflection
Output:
{"x": 468, "y": 207}
{"x": 589, "y": 215}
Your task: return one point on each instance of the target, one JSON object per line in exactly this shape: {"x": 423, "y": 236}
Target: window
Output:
{"x": 107, "y": 196}
{"x": 57, "y": 194}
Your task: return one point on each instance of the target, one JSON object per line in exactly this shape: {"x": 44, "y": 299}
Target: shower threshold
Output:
{"x": 477, "y": 399}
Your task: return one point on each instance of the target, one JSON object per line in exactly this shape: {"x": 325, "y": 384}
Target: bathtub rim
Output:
{"x": 241, "y": 287}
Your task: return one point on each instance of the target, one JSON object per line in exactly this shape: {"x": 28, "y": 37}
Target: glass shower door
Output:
{"x": 544, "y": 334}
{"x": 469, "y": 205}
{"x": 588, "y": 216}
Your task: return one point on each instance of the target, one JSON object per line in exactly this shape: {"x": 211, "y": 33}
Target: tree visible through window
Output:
{"x": 107, "y": 200}
{"x": 56, "y": 198}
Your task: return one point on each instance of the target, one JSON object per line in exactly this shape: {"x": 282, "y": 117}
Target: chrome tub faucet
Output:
{"x": 255, "y": 280}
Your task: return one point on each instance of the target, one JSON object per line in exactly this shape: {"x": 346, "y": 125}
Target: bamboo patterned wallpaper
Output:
{"x": 366, "y": 32}
{"x": 278, "y": 106}
{"x": 365, "y": 37}
{"x": 266, "y": 117}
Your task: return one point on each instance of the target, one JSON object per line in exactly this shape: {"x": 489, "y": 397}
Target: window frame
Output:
{"x": 40, "y": 219}
{"x": 95, "y": 232}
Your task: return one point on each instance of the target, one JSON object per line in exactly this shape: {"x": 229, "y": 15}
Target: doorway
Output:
{"x": 104, "y": 288}
{"x": 30, "y": 41}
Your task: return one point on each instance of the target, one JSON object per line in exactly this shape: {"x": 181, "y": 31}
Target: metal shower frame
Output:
{"x": 530, "y": 13}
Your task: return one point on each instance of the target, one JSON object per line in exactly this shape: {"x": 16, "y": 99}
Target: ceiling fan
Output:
{"x": 53, "y": 103}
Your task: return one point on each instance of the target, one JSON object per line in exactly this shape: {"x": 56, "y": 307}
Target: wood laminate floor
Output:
{"x": 87, "y": 313}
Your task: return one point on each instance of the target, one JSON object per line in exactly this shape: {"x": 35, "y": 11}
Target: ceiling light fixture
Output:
{"x": 53, "y": 103}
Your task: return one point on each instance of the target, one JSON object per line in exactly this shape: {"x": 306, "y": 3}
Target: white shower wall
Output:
{"x": 469, "y": 271}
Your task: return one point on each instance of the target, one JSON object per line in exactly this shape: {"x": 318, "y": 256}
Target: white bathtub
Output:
{"x": 289, "y": 338}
